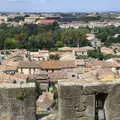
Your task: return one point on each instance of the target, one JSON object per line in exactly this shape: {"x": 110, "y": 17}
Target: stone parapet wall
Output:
{"x": 11, "y": 85}
{"x": 73, "y": 105}
{"x": 77, "y": 101}
{"x": 17, "y": 102}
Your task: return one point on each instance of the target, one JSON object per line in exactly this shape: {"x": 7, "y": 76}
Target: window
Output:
{"x": 73, "y": 75}
{"x": 99, "y": 106}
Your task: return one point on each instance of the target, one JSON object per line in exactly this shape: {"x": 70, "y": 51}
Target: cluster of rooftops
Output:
{"x": 51, "y": 64}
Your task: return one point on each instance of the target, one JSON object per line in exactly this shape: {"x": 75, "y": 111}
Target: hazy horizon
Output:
{"x": 59, "y": 5}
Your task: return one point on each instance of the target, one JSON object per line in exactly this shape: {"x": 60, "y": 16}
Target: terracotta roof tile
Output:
{"x": 28, "y": 64}
{"x": 56, "y": 64}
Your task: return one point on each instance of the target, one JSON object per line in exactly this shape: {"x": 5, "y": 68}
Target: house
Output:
{"x": 40, "y": 55}
{"x": 30, "y": 20}
{"x": 29, "y": 67}
{"x": 74, "y": 25}
{"x": 114, "y": 64}
{"x": 45, "y": 22}
{"x": 93, "y": 63}
{"x": 90, "y": 36}
{"x": 80, "y": 62}
{"x": 44, "y": 54}
{"x": 3, "y": 19}
{"x": 82, "y": 51}
{"x": 57, "y": 65}
{"x": 33, "y": 67}
{"x": 10, "y": 69}
{"x": 75, "y": 51}
{"x": 50, "y": 66}
{"x": 13, "y": 78}
{"x": 106, "y": 50}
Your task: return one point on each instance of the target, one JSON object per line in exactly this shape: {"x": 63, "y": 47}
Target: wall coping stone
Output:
{"x": 18, "y": 85}
{"x": 79, "y": 83}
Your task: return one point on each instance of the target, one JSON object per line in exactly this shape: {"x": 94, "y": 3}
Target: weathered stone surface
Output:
{"x": 99, "y": 88}
{"x": 112, "y": 104}
{"x": 77, "y": 101}
{"x": 73, "y": 105}
{"x": 17, "y": 102}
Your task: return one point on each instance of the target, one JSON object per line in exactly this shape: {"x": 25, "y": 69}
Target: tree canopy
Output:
{"x": 51, "y": 37}
{"x": 34, "y": 37}
{"x": 106, "y": 35}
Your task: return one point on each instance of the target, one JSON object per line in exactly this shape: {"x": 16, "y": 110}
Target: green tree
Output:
{"x": 11, "y": 43}
{"x": 73, "y": 37}
{"x": 59, "y": 44}
{"x": 96, "y": 54}
{"x": 54, "y": 57}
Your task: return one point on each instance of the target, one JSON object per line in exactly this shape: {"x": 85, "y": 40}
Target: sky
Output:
{"x": 59, "y": 5}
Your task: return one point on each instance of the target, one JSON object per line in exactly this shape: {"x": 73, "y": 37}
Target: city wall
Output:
{"x": 17, "y": 102}
{"x": 77, "y": 101}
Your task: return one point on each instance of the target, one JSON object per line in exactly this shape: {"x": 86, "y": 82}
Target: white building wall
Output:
{"x": 25, "y": 71}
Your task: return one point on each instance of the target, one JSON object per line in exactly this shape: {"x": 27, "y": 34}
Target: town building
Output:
{"x": 82, "y": 51}
{"x": 40, "y": 55}
{"x": 56, "y": 65}
{"x": 29, "y": 67}
{"x": 106, "y": 50}
{"x": 45, "y": 22}
{"x": 30, "y": 20}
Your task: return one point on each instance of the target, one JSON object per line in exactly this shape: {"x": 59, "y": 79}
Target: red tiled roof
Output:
{"x": 52, "y": 64}
{"x": 46, "y": 21}
{"x": 56, "y": 64}
{"x": 93, "y": 63}
{"x": 28, "y": 64}
{"x": 4, "y": 78}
